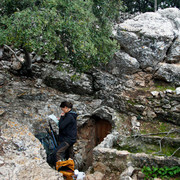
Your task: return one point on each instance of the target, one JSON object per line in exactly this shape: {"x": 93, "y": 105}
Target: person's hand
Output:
{"x": 62, "y": 114}
{"x": 58, "y": 118}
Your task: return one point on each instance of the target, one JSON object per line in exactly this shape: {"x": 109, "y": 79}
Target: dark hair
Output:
{"x": 67, "y": 104}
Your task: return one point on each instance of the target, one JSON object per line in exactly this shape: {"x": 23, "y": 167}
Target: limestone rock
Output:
{"x": 105, "y": 81}
{"x": 172, "y": 14}
{"x": 123, "y": 64}
{"x": 155, "y": 93}
{"x": 100, "y": 167}
{"x": 148, "y": 36}
{"x": 109, "y": 140}
{"x": 176, "y": 108}
{"x": 2, "y": 111}
{"x": 16, "y": 65}
{"x": 128, "y": 172}
{"x": 169, "y": 73}
{"x": 96, "y": 176}
{"x": 173, "y": 55}
{"x": 104, "y": 112}
{"x": 178, "y": 90}
{"x": 62, "y": 80}
{"x": 90, "y": 177}
{"x": 125, "y": 178}
{"x": 135, "y": 123}
{"x": 151, "y": 114}
{"x": 22, "y": 155}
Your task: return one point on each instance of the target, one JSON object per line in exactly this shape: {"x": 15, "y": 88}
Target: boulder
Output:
{"x": 122, "y": 64}
{"x": 148, "y": 36}
{"x": 96, "y": 176}
{"x": 62, "y": 81}
{"x": 173, "y": 55}
{"x": 178, "y": 90}
{"x": 169, "y": 73}
{"x": 22, "y": 155}
{"x": 127, "y": 172}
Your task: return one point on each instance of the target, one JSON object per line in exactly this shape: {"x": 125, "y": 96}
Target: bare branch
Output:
{"x": 13, "y": 53}
{"x": 63, "y": 62}
{"x": 175, "y": 151}
{"x": 169, "y": 132}
{"x": 160, "y": 141}
{"x": 160, "y": 144}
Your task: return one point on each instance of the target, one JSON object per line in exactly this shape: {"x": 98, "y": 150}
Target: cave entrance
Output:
{"x": 90, "y": 134}
{"x": 103, "y": 128}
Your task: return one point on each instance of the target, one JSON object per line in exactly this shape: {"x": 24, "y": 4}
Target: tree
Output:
{"x": 133, "y": 6}
{"x": 75, "y": 31}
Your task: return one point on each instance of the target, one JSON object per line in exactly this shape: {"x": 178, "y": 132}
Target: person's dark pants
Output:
{"x": 60, "y": 153}
{"x": 70, "y": 152}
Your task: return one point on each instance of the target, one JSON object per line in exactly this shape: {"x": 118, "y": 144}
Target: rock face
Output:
{"x": 168, "y": 73}
{"x": 138, "y": 86}
{"x": 149, "y": 39}
{"x": 121, "y": 163}
{"x": 122, "y": 64}
{"x": 62, "y": 81}
{"x": 22, "y": 155}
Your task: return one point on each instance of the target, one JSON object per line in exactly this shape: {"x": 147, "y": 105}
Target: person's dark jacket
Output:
{"x": 68, "y": 128}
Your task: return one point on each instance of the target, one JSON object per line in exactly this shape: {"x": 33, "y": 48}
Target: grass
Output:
{"x": 148, "y": 128}
{"x": 131, "y": 102}
{"x": 157, "y": 127}
{"x": 162, "y": 86}
{"x": 159, "y": 86}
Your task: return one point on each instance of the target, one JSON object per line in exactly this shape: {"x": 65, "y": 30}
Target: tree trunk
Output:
{"x": 28, "y": 60}
{"x": 26, "y": 69}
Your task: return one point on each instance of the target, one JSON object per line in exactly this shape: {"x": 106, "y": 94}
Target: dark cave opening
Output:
{"x": 90, "y": 134}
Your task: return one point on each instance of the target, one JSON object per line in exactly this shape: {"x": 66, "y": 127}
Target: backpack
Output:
{"x": 46, "y": 141}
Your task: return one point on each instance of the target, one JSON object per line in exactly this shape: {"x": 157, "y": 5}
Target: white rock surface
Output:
{"x": 22, "y": 155}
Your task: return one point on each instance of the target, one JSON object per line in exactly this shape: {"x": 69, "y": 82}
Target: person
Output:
{"x": 67, "y": 133}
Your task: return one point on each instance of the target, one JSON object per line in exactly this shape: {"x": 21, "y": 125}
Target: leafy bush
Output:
{"x": 76, "y": 32}
{"x": 163, "y": 172}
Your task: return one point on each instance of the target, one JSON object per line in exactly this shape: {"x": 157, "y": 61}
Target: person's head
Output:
{"x": 66, "y": 106}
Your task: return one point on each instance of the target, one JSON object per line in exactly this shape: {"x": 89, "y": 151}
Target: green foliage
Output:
{"x": 163, "y": 172}
{"x": 162, "y": 86}
{"x": 77, "y": 32}
{"x": 133, "y": 6}
{"x": 10, "y": 6}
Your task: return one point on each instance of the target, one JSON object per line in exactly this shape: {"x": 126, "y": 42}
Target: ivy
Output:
{"x": 163, "y": 172}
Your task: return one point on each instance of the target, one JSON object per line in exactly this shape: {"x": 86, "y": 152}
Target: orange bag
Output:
{"x": 66, "y": 168}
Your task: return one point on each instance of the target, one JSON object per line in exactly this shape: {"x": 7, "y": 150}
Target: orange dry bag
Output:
{"x": 66, "y": 168}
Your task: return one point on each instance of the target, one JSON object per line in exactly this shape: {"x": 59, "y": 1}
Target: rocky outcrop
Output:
{"x": 22, "y": 155}
{"x": 149, "y": 105}
{"x": 150, "y": 39}
{"x": 168, "y": 72}
{"x": 126, "y": 95}
{"x": 123, "y": 64}
{"x": 64, "y": 82}
{"x": 123, "y": 163}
